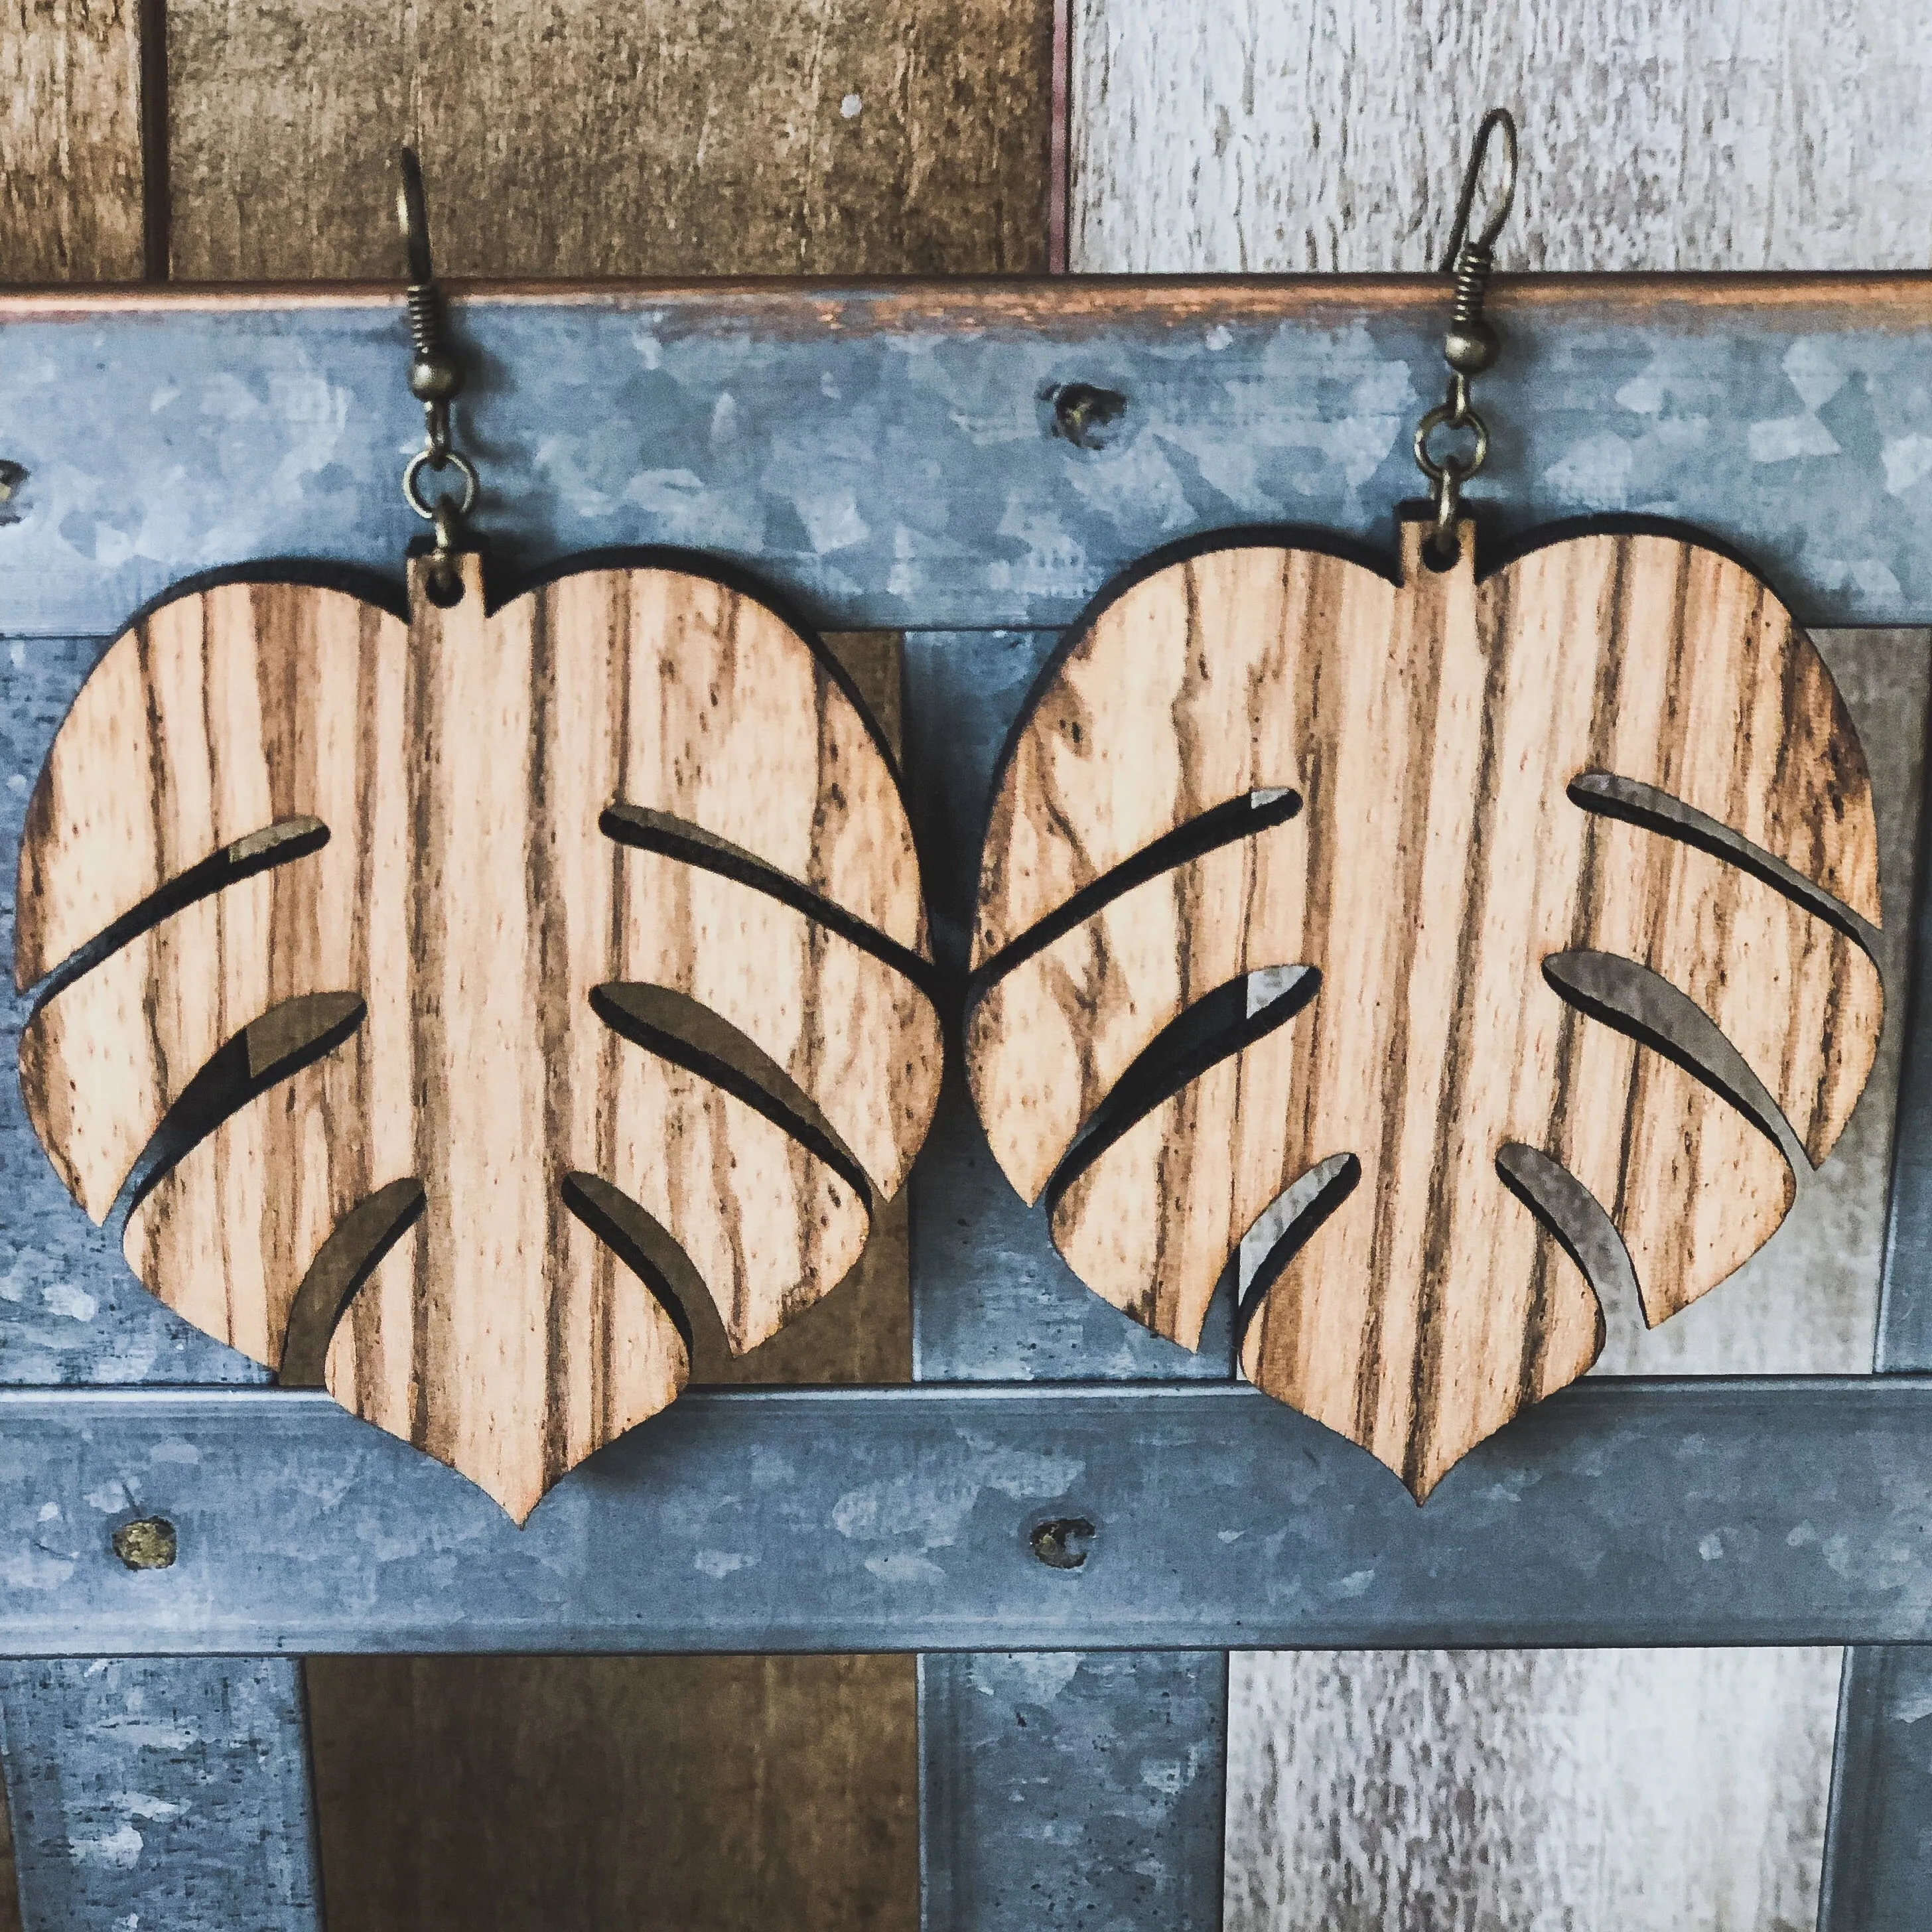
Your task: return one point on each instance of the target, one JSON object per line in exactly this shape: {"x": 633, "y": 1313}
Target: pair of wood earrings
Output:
{"x": 442, "y": 997}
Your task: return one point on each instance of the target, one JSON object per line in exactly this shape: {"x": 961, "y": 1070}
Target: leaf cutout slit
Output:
{"x": 1581, "y": 1226}
{"x": 1218, "y": 1025}
{"x": 641, "y": 1242}
{"x": 355, "y": 1248}
{"x": 1289, "y": 1223}
{"x": 288, "y": 1037}
{"x": 1609, "y": 796}
{"x": 645, "y": 830}
{"x": 1643, "y": 1006}
{"x": 1224, "y": 824}
{"x": 287, "y": 840}
{"x": 681, "y": 1030}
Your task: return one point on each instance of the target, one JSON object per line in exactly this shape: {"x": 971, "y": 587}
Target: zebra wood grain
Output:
{"x": 1432, "y": 729}
{"x": 446, "y": 988}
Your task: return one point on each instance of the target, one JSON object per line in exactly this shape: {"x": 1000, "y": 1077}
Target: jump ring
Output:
{"x": 1441, "y": 417}
{"x": 412, "y": 483}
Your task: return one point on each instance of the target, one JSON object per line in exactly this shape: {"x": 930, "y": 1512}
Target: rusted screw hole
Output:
{"x": 1083, "y": 415}
{"x": 1062, "y": 1544}
{"x": 148, "y": 1543}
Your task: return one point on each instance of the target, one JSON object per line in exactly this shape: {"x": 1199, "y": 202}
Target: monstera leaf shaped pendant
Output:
{"x": 446, "y": 1003}
{"x": 1487, "y": 940}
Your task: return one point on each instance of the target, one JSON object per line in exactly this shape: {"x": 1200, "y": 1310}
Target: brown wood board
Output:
{"x": 71, "y": 175}
{"x": 572, "y": 138}
{"x": 476, "y": 984}
{"x": 1497, "y": 931}
{"x": 651, "y": 1794}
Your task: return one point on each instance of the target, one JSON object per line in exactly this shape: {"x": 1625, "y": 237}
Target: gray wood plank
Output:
{"x": 1734, "y": 134}
{"x": 1531, "y": 1818}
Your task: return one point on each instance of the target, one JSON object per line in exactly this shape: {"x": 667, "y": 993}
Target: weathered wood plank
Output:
{"x": 433, "y": 991}
{"x": 1498, "y": 1788}
{"x": 71, "y": 207}
{"x": 1415, "y": 752}
{"x": 656, "y": 1794}
{"x": 578, "y": 139}
{"x": 1225, "y": 135}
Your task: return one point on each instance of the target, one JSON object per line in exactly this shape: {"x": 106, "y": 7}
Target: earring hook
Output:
{"x": 1471, "y": 346}
{"x": 435, "y": 378}
{"x": 1458, "y": 235}
{"x": 413, "y": 216}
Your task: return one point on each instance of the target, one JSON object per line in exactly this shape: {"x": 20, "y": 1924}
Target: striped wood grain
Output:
{"x": 467, "y": 899}
{"x": 1432, "y": 729}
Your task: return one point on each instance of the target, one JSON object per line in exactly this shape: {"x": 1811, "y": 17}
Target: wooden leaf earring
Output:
{"x": 446, "y": 997}
{"x": 1464, "y": 941}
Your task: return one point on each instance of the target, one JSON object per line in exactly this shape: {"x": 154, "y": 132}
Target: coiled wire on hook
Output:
{"x": 1471, "y": 346}
{"x": 435, "y": 378}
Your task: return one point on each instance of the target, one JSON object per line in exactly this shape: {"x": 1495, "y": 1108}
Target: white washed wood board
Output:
{"x": 1369, "y": 1799}
{"x": 1377, "y": 1789}
{"x": 1243, "y": 135}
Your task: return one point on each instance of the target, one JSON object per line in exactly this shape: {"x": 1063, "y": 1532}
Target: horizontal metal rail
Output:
{"x": 1680, "y": 1512}
{"x": 955, "y": 455}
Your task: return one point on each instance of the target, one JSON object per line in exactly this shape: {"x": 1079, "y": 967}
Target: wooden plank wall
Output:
{"x": 564, "y": 137}
{"x": 842, "y": 137}
{"x": 1604, "y": 1791}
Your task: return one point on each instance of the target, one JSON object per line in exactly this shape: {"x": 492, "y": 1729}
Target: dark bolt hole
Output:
{"x": 149, "y": 1543}
{"x": 443, "y": 587}
{"x": 1083, "y": 415}
{"x": 1062, "y": 1544}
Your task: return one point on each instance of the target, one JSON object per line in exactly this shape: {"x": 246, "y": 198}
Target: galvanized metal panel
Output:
{"x": 886, "y": 456}
{"x": 1632, "y": 1512}
{"x": 1878, "y": 1855}
{"x": 160, "y": 1794}
{"x": 1878, "y": 1846}
{"x": 1065, "y": 1789}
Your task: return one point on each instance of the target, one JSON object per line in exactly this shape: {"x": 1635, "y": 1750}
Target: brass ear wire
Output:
{"x": 435, "y": 378}
{"x": 1471, "y": 346}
